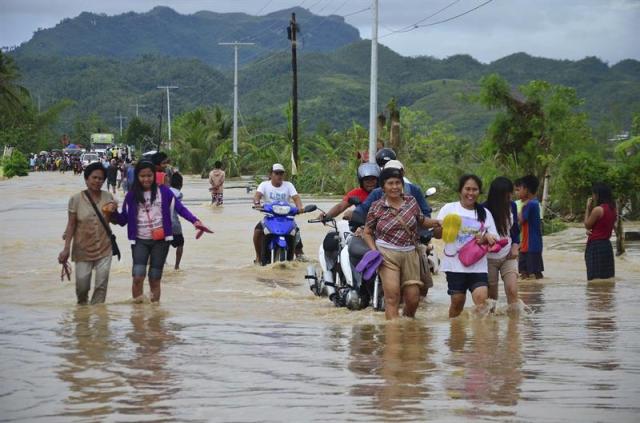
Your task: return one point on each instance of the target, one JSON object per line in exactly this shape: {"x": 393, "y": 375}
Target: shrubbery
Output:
{"x": 15, "y": 165}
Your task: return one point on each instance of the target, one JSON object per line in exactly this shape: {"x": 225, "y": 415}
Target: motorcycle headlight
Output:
{"x": 281, "y": 210}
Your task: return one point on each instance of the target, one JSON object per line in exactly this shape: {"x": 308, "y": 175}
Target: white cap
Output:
{"x": 277, "y": 167}
{"x": 394, "y": 164}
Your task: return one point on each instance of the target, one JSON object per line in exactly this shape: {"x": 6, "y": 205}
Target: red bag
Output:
{"x": 157, "y": 234}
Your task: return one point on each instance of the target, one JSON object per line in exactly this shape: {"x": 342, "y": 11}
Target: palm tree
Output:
{"x": 12, "y": 95}
{"x": 198, "y": 134}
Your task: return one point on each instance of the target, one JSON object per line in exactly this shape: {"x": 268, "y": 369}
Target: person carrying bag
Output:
{"x": 114, "y": 245}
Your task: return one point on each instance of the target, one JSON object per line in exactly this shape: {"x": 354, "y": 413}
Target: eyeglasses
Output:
{"x": 279, "y": 172}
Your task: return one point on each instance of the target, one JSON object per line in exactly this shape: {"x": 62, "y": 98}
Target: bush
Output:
{"x": 15, "y": 165}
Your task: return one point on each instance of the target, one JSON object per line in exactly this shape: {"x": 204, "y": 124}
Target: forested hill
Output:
{"x": 163, "y": 31}
{"x": 333, "y": 87}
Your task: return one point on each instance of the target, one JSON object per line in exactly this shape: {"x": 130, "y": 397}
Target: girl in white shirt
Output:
{"x": 477, "y": 222}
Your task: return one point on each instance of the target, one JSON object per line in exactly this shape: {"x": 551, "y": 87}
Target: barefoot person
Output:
{"x": 392, "y": 229}
{"x": 504, "y": 263}
{"x": 85, "y": 236}
{"x": 599, "y": 218}
{"x": 473, "y": 222}
{"x": 147, "y": 213}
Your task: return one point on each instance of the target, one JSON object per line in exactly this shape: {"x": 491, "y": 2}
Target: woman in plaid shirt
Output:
{"x": 392, "y": 229}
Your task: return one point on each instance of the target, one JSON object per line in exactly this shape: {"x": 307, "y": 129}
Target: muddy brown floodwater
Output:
{"x": 233, "y": 342}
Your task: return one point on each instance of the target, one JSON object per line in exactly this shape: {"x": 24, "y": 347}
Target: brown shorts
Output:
{"x": 501, "y": 267}
{"x": 404, "y": 262}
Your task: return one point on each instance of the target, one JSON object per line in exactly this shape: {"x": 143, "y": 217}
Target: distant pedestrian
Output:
{"x": 216, "y": 179}
{"x": 599, "y": 219}
{"x": 530, "y": 260}
{"x": 112, "y": 175}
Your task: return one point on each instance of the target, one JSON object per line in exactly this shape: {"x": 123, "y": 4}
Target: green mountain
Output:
{"x": 78, "y": 60}
{"x": 164, "y": 32}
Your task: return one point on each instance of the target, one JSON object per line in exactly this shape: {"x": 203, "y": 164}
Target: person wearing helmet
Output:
{"x": 384, "y": 155}
{"x": 368, "y": 174}
{"x": 409, "y": 188}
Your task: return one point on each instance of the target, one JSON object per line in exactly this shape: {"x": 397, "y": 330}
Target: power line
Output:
{"x": 414, "y": 27}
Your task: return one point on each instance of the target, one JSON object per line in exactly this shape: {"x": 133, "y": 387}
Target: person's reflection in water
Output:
{"x": 88, "y": 345}
{"x": 601, "y": 322}
{"x": 146, "y": 372}
{"x": 487, "y": 366}
{"x": 400, "y": 353}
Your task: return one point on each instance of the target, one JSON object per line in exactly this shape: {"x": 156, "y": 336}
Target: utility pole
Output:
{"x": 168, "y": 87}
{"x": 160, "y": 122}
{"x": 373, "y": 92}
{"x": 121, "y": 118}
{"x": 291, "y": 32}
{"x": 235, "y": 45}
{"x": 137, "y": 106}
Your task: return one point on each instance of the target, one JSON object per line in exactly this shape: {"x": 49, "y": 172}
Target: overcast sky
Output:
{"x": 561, "y": 29}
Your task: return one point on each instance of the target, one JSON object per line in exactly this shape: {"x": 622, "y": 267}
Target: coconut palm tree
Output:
{"x": 197, "y": 136}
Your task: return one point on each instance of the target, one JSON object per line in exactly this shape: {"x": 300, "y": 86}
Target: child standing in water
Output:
{"x": 599, "y": 218}
{"x": 178, "y": 238}
{"x": 216, "y": 179}
{"x": 530, "y": 260}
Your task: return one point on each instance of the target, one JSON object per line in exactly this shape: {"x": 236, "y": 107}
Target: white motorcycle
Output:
{"x": 338, "y": 256}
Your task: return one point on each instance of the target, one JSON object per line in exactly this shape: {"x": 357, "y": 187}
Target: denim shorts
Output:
{"x": 148, "y": 250}
{"x": 459, "y": 283}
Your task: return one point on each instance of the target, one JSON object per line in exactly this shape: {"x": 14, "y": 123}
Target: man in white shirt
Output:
{"x": 276, "y": 189}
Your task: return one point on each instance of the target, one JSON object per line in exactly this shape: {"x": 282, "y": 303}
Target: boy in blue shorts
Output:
{"x": 530, "y": 259}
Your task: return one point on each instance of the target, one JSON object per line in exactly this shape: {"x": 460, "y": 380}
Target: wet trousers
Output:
{"x": 84, "y": 270}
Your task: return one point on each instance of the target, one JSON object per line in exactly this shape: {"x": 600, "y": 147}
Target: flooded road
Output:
{"x": 233, "y": 342}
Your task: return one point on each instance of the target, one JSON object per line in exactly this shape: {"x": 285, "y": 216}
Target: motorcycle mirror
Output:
{"x": 354, "y": 201}
{"x": 309, "y": 208}
{"x": 430, "y": 192}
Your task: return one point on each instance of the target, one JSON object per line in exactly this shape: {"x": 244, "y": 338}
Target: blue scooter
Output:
{"x": 280, "y": 231}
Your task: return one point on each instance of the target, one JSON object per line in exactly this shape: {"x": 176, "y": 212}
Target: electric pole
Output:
{"x": 291, "y": 32}
{"x": 168, "y": 87}
{"x": 373, "y": 92}
{"x": 120, "y": 118}
{"x": 235, "y": 45}
{"x": 137, "y": 106}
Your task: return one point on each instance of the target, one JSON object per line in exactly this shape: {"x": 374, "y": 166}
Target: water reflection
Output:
{"x": 150, "y": 379}
{"x": 601, "y": 322}
{"x": 487, "y": 361}
{"x": 88, "y": 341}
{"x": 393, "y": 361}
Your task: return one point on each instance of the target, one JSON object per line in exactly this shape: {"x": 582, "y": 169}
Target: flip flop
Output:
{"x": 450, "y": 227}
{"x": 201, "y": 230}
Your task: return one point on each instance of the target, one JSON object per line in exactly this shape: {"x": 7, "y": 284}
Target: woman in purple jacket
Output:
{"x": 147, "y": 213}
{"x": 504, "y": 262}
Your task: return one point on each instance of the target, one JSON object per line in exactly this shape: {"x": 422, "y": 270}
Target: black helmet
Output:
{"x": 384, "y": 155}
{"x": 366, "y": 170}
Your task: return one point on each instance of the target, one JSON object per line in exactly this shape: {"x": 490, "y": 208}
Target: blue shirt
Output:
{"x": 131, "y": 175}
{"x": 531, "y": 228}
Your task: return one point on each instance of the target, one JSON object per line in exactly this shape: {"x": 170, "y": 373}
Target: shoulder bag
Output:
{"x": 114, "y": 245}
